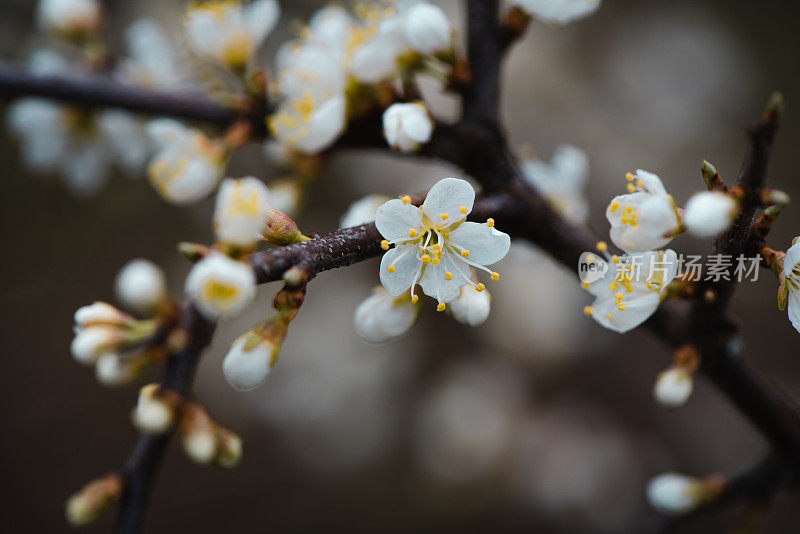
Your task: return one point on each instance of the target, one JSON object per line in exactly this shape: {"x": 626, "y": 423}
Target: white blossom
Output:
{"x": 427, "y": 29}
{"x": 188, "y": 164}
{"x": 72, "y": 18}
{"x": 200, "y": 445}
{"x": 562, "y": 181}
{"x": 242, "y": 209}
{"x": 631, "y": 290}
{"x": 407, "y": 126}
{"x": 100, "y": 313}
{"x": 673, "y": 387}
{"x": 152, "y": 61}
{"x": 641, "y": 219}
{"x": 381, "y": 318}
{"x": 249, "y": 361}
{"x": 141, "y": 285}
{"x": 362, "y": 211}
{"x": 674, "y": 494}
{"x": 230, "y": 32}
{"x": 308, "y": 125}
{"x": 558, "y": 11}
{"x": 434, "y": 245}
{"x": 710, "y": 213}
{"x": 152, "y": 414}
{"x": 381, "y": 40}
{"x": 471, "y": 307}
{"x": 791, "y": 271}
{"x": 89, "y": 343}
{"x": 220, "y": 286}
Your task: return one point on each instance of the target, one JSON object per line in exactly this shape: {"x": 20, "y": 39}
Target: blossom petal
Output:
{"x": 434, "y": 282}
{"x": 261, "y": 17}
{"x": 395, "y": 218}
{"x": 793, "y": 307}
{"x": 486, "y": 245}
{"x": 791, "y": 259}
{"x": 652, "y": 183}
{"x": 657, "y": 216}
{"x": 406, "y": 265}
{"x": 327, "y": 122}
{"x": 448, "y": 196}
{"x": 635, "y": 313}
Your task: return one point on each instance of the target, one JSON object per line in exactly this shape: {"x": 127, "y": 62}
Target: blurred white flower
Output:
{"x": 674, "y": 494}
{"x": 152, "y": 60}
{"x": 141, "y": 285}
{"x": 308, "y": 125}
{"x": 710, "y": 213}
{"x": 562, "y": 181}
{"x": 229, "y": 32}
{"x": 631, "y": 290}
{"x": 558, "y": 11}
{"x": 407, "y": 126}
{"x": 249, "y": 360}
{"x": 241, "y": 211}
{"x": 153, "y": 414}
{"x": 100, "y": 313}
{"x": 70, "y": 18}
{"x": 791, "y": 272}
{"x": 381, "y": 318}
{"x": 673, "y": 387}
{"x": 188, "y": 164}
{"x": 89, "y": 343}
{"x": 377, "y": 44}
{"x": 435, "y": 246}
{"x": 471, "y": 307}
{"x": 362, "y": 211}
{"x": 220, "y": 286}
{"x": 641, "y": 219}
{"x": 427, "y": 28}
{"x": 114, "y": 370}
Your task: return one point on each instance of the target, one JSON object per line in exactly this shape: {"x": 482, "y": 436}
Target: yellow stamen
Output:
{"x": 588, "y": 310}
{"x": 414, "y": 299}
{"x": 615, "y": 258}
{"x": 390, "y": 268}
{"x": 495, "y": 276}
{"x": 440, "y": 307}
{"x": 463, "y": 210}
{"x": 385, "y": 245}
{"x": 602, "y": 246}
{"x": 586, "y": 285}
{"x": 426, "y": 259}
{"x": 621, "y": 306}
{"x": 406, "y": 199}
{"x": 480, "y": 287}
{"x": 614, "y": 206}
{"x": 443, "y": 216}
{"x": 608, "y": 315}
{"x": 448, "y": 275}
{"x": 631, "y": 188}
{"x": 629, "y": 177}
{"x": 435, "y": 260}
{"x": 412, "y": 232}
{"x": 465, "y": 253}
{"x": 490, "y": 222}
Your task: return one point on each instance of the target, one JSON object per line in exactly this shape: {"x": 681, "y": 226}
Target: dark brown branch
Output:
{"x": 98, "y": 92}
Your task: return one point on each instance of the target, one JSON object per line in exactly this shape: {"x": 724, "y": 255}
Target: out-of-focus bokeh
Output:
{"x": 538, "y": 421}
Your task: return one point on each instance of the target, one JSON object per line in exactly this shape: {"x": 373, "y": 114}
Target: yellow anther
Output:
{"x": 385, "y": 245}
{"x": 479, "y": 287}
{"x": 640, "y": 184}
{"x": 631, "y": 188}
{"x": 440, "y": 307}
{"x": 465, "y": 253}
{"x": 795, "y": 240}
{"x": 435, "y": 260}
{"x": 463, "y": 210}
{"x": 414, "y": 299}
{"x": 443, "y": 216}
{"x": 406, "y": 199}
{"x": 390, "y": 268}
{"x": 426, "y": 259}
{"x": 613, "y": 286}
{"x": 608, "y": 315}
{"x": 629, "y": 177}
{"x": 618, "y": 296}
{"x": 437, "y": 246}
{"x": 615, "y": 258}
{"x": 448, "y": 275}
{"x": 586, "y": 285}
{"x": 602, "y": 246}
{"x": 614, "y": 206}
{"x": 621, "y": 306}
{"x": 412, "y": 232}
{"x": 588, "y": 310}
{"x": 495, "y": 276}
{"x": 490, "y": 222}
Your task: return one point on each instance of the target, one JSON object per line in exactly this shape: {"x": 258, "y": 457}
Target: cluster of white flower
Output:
{"x": 558, "y": 11}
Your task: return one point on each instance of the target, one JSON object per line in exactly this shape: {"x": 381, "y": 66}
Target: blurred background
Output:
{"x": 540, "y": 420}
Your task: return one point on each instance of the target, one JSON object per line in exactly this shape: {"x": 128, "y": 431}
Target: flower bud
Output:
{"x": 112, "y": 370}
{"x": 141, "y": 285}
{"x": 250, "y": 359}
{"x": 362, "y": 211}
{"x": 471, "y": 307}
{"x": 241, "y": 209}
{"x": 558, "y": 11}
{"x": 280, "y": 230}
{"x": 381, "y": 318}
{"x": 100, "y": 313}
{"x": 673, "y": 387}
{"x": 427, "y": 29}
{"x": 93, "y": 500}
{"x": 406, "y": 126}
{"x": 675, "y": 494}
{"x": 710, "y": 213}
{"x": 73, "y": 19}
{"x": 89, "y": 343}
{"x": 220, "y": 286}
{"x": 155, "y": 410}
{"x": 230, "y": 449}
